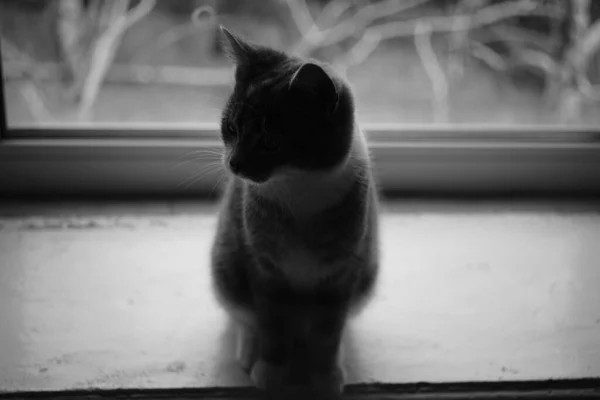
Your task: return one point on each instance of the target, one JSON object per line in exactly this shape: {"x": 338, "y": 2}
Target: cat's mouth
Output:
{"x": 252, "y": 178}
{"x": 241, "y": 171}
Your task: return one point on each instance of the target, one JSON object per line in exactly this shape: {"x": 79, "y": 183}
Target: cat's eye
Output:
{"x": 231, "y": 128}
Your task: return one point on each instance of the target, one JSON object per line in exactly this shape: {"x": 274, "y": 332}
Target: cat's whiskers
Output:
{"x": 199, "y": 177}
{"x": 212, "y": 152}
{"x": 223, "y": 175}
{"x": 217, "y": 98}
{"x": 200, "y": 155}
{"x": 197, "y": 159}
{"x": 208, "y": 169}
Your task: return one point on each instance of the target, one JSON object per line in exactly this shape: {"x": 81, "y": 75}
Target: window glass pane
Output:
{"x": 497, "y": 62}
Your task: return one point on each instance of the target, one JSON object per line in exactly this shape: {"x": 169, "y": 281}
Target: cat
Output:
{"x": 296, "y": 246}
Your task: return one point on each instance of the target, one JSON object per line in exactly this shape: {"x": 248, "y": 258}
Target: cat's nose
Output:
{"x": 234, "y": 165}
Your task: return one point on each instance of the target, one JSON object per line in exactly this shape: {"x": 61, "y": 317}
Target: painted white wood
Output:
{"x": 155, "y": 160}
{"x": 468, "y": 292}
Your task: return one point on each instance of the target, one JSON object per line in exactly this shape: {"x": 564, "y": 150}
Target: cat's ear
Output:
{"x": 313, "y": 79}
{"x": 237, "y": 48}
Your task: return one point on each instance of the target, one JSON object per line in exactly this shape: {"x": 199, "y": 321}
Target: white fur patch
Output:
{"x": 306, "y": 193}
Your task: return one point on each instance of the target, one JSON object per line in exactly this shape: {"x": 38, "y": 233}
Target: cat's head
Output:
{"x": 285, "y": 114}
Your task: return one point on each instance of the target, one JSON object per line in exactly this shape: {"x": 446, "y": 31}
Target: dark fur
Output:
{"x": 310, "y": 113}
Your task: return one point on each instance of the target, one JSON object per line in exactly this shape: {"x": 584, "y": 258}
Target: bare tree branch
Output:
{"x": 105, "y": 49}
{"x": 360, "y": 51}
{"x": 316, "y": 36}
{"x": 459, "y": 45}
{"x": 70, "y": 29}
{"x": 367, "y": 15}
{"x": 513, "y": 35}
{"x": 144, "y": 8}
{"x": 27, "y": 67}
{"x": 128, "y": 74}
{"x": 361, "y": 22}
{"x": 484, "y": 53}
{"x": 574, "y": 73}
{"x": 486, "y": 16}
{"x": 571, "y": 103}
{"x": 328, "y": 17}
{"x": 35, "y": 102}
{"x": 301, "y": 15}
{"x": 587, "y": 46}
{"x": 120, "y": 8}
{"x": 537, "y": 59}
{"x": 586, "y": 49}
{"x": 179, "y": 32}
{"x": 581, "y": 17}
{"x": 435, "y": 72}
{"x": 11, "y": 51}
{"x": 332, "y": 12}
{"x": 94, "y": 10}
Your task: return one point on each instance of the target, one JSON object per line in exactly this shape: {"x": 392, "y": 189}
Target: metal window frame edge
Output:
{"x": 155, "y": 161}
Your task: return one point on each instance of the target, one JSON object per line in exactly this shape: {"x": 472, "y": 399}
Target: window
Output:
{"x": 410, "y": 62}
{"x": 124, "y": 91}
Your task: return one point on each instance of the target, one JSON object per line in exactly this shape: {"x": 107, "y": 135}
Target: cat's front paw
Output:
{"x": 269, "y": 377}
{"x": 247, "y": 347}
{"x": 328, "y": 384}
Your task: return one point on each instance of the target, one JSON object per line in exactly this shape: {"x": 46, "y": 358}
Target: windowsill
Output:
{"x": 119, "y": 297}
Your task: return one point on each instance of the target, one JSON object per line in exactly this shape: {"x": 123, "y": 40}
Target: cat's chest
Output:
{"x": 291, "y": 251}
{"x": 302, "y": 267}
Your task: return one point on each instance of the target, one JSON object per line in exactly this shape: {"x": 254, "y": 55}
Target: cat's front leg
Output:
{"x": 246, "y": 346}
{"x": 326, "y": 372}
{"x": 270, "y": 371}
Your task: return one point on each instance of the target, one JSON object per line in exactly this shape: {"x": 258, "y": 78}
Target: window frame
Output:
{"x": 567, "y": 389}
{"x": 147, "y": 160}
{"x": 3, "y": 118}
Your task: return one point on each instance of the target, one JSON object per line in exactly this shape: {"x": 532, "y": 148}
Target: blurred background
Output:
{"x": 497, "y": 62}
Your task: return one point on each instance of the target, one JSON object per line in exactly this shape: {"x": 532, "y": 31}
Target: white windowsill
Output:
{"x": 119, "y": 297}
